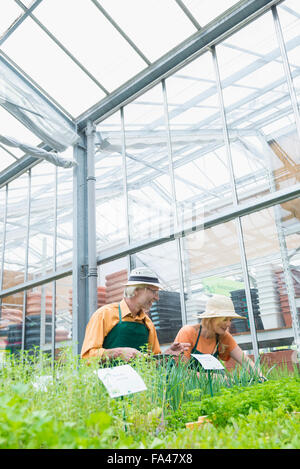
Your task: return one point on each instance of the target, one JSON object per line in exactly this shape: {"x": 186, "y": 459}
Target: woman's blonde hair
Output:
{"x": 209, "y": 323}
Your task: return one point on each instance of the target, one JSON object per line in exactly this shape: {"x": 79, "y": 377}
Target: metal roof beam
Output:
{"x": 17, "y": 169}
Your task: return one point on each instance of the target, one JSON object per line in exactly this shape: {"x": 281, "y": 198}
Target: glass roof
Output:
{"x": 9, "y": 13}
{"x": 77, "y": 53}
{"x": 96, "y": 45}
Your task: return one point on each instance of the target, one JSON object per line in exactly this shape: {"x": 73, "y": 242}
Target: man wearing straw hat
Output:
{"x": 122, "y": 330}
{"x": 212, "y": 336}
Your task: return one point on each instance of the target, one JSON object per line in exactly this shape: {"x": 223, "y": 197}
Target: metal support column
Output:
{"x": 125, "y": 188}
{"x": 26, "y": 260}
{"x": 3, "y": 245}
{"x": 80, "y": 305}
{"x": 53, "y": 322}
{"x": 43, "y": 296}
{"x": 235, "y": 203}
{"x": 175, "y": 208}
{"x": 91, "y": 208}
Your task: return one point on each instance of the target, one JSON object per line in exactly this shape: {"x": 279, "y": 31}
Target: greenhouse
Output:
{"x": 158, "y": 135}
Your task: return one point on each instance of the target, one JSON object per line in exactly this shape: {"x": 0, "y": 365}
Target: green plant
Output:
{"x": 237, "y": 401}
{"x": 264, "y": 429}
{"x": 72, "y": 409}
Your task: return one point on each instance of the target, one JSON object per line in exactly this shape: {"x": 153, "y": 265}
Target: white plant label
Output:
{"x": 121, "y": 380}
{"x": 208, "y": 362}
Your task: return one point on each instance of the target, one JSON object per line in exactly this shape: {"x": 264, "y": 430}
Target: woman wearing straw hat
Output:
{"x": 212, "y": 336}
{"x": 122, "y": 330}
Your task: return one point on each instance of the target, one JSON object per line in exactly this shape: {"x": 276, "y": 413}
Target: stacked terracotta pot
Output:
{"x": 70, "y": 303}
{"x": 114, "y": 284}
{"x": 10, "y": 316}
{"x": 61, "y": 334}
{"x": 101, "y": 298}
{"x": 34, "y": 306}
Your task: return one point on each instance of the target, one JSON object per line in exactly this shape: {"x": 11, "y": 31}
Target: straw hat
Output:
{"x": 219, "y": 306}
{"x": 143, "y": 276}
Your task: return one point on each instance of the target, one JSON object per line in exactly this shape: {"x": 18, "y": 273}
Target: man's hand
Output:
{"x": 177, "y": 348}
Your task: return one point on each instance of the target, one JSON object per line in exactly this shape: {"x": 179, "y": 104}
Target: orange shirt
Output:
{"x": 189, "y": 333}
{"x": 102, "y": 322}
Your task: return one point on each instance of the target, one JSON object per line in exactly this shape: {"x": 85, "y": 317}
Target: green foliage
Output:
{"x": 241, "y": 401}
{"x": 67, "y": 406}
{"x": 264, "y": 429}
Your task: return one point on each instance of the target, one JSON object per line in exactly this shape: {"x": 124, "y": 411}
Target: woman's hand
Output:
{"x": 177, "y": 348}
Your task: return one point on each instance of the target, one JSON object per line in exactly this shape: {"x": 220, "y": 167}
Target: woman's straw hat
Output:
{"x": 219, "y": 306}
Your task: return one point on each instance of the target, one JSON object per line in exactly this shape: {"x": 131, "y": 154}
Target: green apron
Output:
{"x": 195, "y": 363}
{"x": 127, "y": 334}
{"x": 194, "y": 350}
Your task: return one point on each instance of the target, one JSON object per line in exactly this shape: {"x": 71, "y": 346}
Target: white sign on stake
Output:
{"x": 208, "y": 362}
{"x": 121, "y": 380}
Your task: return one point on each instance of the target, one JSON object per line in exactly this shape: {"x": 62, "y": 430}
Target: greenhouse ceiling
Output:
{"x": 78, "y": 53}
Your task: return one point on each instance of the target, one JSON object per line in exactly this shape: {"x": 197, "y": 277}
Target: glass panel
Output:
{"x": 11, "y": 323}
{"x": 38, "y": 330}
{"x": 205, "y": 14}
{"x": 64, "y": 246}
{"x": 9, "y": 13}
{"x": 6, "y": 159}
{"x": 200, "y": 161}
{"x": 39, "y": 315}
{"x": 148, "y": 16}
{"x": 51, "y": 68}
{"x": 28, "y": 3}
{"x": 211, "y": 266}
{"x": 15, "y": 246}
{"x": 148, "y": 181}
{"x": 289, "y": 16}
{"x": 40, "y": 253}
{"x": 289, "y": 217}
{"x": 166, "y": 312}
{"x": 99, "y": 46}
{"x": 63, "y": 319}
{"x": 110, "y": 197}
{"x": 259, "y": 114}
{"x": 265, "y": 258}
